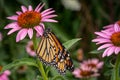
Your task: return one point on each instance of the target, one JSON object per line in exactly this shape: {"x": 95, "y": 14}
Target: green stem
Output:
{"x": 40, "y": 66}
{"x": 116, "y": 70}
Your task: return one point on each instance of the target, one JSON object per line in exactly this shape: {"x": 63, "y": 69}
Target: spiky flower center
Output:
{"x": 115, "y": 38}
{"x": 29, "y": 19}
{"x": 86, "y": 73}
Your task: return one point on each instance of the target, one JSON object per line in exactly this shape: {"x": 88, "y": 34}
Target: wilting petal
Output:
{"x": 14, "y": 17}
{"x": 21, "y": 34}
{"x": 30, "y": 33}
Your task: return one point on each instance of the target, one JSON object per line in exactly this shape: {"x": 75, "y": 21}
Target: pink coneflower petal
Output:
{"x": 117, "y": 50}
{"x": 30, "y": 33}
{"x": 49, "y": 16}
{"x": 117, "y": 27}
{"x": 13, "y": 30}
{"x": 47, "y": 13}
{"x": 39, "y": 30}
{"x": 24, "y": 9}
{"x": 30, "y": 8}
{"x": 100, "y": 64}
{"x": 48, "y": 20}
{"x": 47, "y": 10}
{"x": 19, "y": 12}
{"x": 101, "y": 39}
{"x": 21, "y": 34}
{"x": 11, "y": 25}
{"x": 7, "y": 72}
{"x": 39, "y": 9}
{"x": 42, "y": 25}
{"x": 106, "y": 52}
{"x": 108, "y": 26}
{"x": 110, "y": 51}
{"x": 102, "y": 34}
{"x": 104, "y": 46}
{"x": 14, "y": 17}
{"x": 4, "y": 77}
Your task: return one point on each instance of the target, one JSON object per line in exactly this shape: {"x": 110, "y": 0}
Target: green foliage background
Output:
{"x": 93, "y": 15}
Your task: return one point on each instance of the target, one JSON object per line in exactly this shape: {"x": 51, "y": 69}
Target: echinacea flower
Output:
{"x": 94, "y": 64}
{"x": 30, "y": 19}
{"x": 5, "y": 74}
{"x": 30, "y": 49}
{"x": 84, "y": 72}
{"x": 109, "y": 38}
{"x": 1, "y": 36}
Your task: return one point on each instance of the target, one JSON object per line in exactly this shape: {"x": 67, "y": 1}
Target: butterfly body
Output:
{"x": 52, "y": 52}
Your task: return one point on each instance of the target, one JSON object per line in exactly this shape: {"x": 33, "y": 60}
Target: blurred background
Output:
{"x": 77, "y": 19}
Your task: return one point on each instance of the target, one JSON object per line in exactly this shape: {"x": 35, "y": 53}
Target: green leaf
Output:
{"x": 69, "y": 43}
{"x": 19, "y": 62}
{"x": 97, "y": 51}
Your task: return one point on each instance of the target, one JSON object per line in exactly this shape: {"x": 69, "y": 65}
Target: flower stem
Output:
{"x": 116, "y": 69}
{"x": 40, "y": 66}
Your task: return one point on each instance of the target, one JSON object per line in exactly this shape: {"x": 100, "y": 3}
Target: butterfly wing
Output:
{"x": 51, "y": 51}
{"x": 47, "y": 48}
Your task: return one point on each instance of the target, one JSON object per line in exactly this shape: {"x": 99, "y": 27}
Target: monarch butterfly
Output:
{"x": 52, "y": 52}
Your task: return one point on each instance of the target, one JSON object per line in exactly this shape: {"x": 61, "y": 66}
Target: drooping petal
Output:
{"x": 13, "y": 30}
{"x": 11, "y": 25}
{"x": 30, "y": 33}
{"x": 14, "y": 17}
{"x": 30, "y": 8}
{"x": 48, "y": 20}
{"x": 39, "y": 30}
{"x": 24, "y": 9}
{"x": 21, "y": 34}
{"x": 105, "y": 46}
